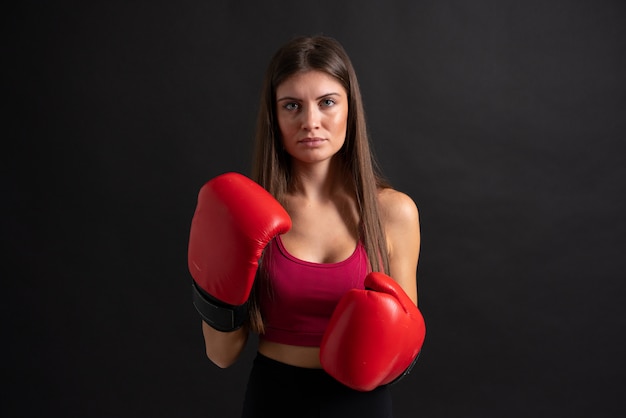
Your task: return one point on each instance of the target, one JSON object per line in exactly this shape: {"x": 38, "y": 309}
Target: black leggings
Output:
{"x": 278, "y": 390}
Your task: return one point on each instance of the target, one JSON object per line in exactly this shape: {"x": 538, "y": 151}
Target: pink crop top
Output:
{"x": 301, "y": 296}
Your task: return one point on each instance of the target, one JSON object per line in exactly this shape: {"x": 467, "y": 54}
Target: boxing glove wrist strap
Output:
{"x": 406, "y": 371}
{"x": 217, "y": 314}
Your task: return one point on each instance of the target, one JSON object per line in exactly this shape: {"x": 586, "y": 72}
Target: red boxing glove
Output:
{"x": 235, "y": 219}
{"x": 374, "y": 335}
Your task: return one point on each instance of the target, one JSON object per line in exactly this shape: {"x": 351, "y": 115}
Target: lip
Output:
{"x": 311, "y": 141}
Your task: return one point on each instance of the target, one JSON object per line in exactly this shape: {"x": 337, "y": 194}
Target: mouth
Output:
{"x": 311, "y": 141}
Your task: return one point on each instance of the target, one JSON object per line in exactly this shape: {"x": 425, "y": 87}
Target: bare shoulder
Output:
{"x": 397, "y": 208}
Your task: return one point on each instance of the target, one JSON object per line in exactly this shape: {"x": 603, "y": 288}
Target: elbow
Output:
{"x": 222, "y": 360}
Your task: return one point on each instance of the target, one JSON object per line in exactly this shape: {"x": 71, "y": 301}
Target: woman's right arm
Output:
{"x": 224, "y": 348}
{"x": 234, "y": 220}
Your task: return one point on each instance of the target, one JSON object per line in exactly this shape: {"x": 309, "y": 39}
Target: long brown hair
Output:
{"x": 272, "y": 165}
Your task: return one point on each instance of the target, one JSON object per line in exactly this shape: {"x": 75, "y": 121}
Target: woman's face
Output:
{"x": 312, "y": 111}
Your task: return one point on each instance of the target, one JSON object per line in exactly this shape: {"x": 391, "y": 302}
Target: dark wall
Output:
{"x": 504, "y": 120}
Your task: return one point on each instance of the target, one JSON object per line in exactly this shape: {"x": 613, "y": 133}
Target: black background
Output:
{"x": 504, "y": 120}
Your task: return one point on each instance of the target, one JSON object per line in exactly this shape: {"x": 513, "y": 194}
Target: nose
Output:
{"x": 311, "y": 118}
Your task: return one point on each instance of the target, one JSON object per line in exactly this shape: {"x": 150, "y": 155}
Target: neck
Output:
{"x": 318, "y": 181}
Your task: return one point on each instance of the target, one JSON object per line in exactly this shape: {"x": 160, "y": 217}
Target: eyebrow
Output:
{"x": 317, "y": 98}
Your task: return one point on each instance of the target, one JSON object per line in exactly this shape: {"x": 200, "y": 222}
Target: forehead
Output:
{"x": 309, "y": 83}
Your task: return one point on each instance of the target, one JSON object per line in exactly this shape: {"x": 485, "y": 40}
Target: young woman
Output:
{"x": 312, "y": 155}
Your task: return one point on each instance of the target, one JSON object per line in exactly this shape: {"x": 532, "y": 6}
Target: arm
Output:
{"x": 375, "y": 335}
{"x": 224, "y": 348}
{"x": 400, "y": 220}
{"x": 234, "y": 220}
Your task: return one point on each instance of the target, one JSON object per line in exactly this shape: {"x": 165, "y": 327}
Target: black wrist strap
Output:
{"x": 407, "y": 371}
{"x": 217, "y": 314}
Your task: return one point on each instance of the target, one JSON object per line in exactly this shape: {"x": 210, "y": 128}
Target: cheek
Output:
{"x": 285, "y": 126}
{"x": 341, "y": 121}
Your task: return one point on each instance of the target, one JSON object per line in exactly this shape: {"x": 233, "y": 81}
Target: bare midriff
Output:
{"x": 308, "y": 357}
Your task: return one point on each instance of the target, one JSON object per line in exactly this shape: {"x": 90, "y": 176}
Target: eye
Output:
{"x": 327, "y": 102}
{"x": 291, "y": 106}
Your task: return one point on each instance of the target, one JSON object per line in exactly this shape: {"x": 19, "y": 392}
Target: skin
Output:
{"x": 312, "y": 110}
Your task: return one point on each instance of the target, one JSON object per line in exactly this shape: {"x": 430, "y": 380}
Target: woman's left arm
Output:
{"x": 400, "y": 219}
